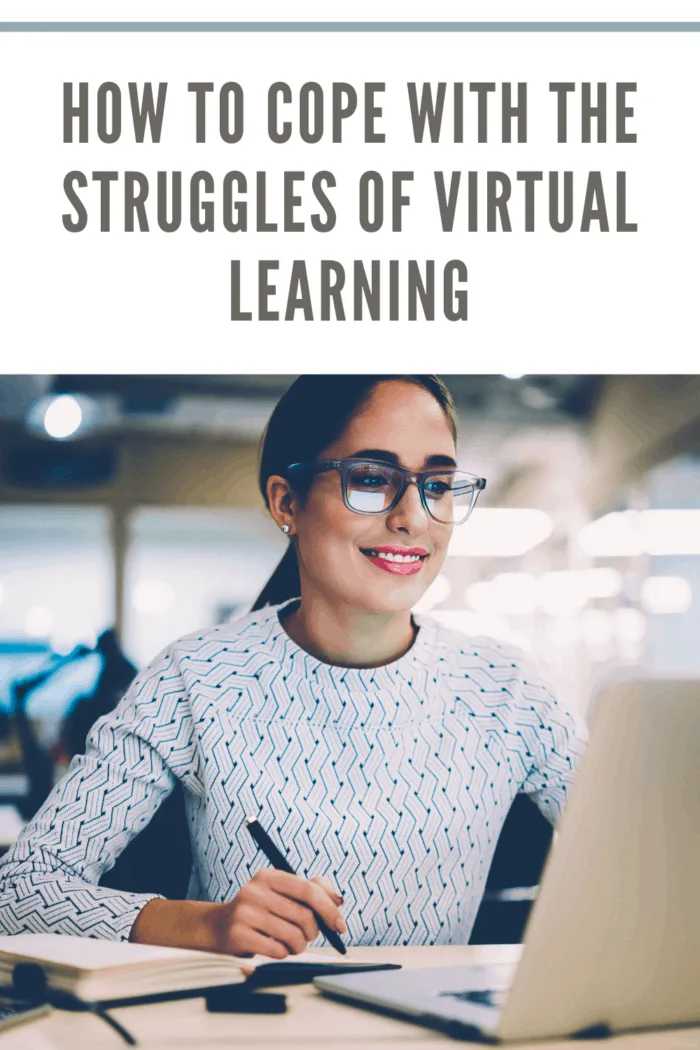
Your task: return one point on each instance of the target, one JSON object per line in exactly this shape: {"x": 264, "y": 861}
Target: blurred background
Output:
{"x": 129, "y": 515}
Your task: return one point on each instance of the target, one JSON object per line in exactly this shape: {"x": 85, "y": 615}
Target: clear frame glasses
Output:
{"x": 372, "y": 486}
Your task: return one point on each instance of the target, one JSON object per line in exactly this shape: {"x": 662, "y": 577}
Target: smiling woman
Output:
{"x": 345, "y": 464}
{"x": 384, "y": 748}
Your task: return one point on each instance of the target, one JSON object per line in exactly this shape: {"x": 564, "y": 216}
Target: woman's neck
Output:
{"x": 347, "y": 637}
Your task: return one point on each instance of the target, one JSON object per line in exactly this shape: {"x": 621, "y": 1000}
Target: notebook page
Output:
{"x": 84, "y": 953}
{"x": 308, "y": 958}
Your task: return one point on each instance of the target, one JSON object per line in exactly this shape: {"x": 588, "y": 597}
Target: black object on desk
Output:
{"x": 241, "y": 1000}
{"x": 30, "y": 989}
{"x": 30, "y": 992}
{"x": 279, "y": 861}
{"x": 272, "y": 975}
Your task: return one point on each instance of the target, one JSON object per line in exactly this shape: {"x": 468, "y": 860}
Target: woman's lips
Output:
{"x": 399, "y": 568}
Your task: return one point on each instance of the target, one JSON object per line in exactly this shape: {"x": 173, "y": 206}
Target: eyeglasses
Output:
{"x": 371, "y": 486}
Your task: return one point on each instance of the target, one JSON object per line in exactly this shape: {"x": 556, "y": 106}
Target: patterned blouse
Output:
{"x": 394, "y": 782}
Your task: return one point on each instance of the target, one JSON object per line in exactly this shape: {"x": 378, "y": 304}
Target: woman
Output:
{"x": 382, "y": 749}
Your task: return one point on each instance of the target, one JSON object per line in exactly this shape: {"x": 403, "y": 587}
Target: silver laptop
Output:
{"x": 613, "y": 942}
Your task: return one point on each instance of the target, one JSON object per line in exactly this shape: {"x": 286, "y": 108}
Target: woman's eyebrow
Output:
{"x": 376, "y": 453}
{"x": 441, "y": 461}
{"x": 391, "y": 457}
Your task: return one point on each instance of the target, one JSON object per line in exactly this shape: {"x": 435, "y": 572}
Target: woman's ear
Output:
{"x": 282, "y": 503}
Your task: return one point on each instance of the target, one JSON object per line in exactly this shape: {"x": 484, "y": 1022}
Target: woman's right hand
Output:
{"x": 273, "y": 915}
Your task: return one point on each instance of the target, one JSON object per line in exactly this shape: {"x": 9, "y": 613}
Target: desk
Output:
{"x": 311, "y": 1021}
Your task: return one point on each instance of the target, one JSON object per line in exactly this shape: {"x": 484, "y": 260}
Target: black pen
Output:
{"x": 279, "y": 861}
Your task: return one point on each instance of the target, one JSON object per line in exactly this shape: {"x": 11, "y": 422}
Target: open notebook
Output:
{"x": 108, "y": 971}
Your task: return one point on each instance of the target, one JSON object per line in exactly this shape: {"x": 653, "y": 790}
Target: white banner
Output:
{"x": 348, "y": 201}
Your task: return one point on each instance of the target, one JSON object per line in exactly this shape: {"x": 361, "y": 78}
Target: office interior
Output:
{"x": 130, "y": 515}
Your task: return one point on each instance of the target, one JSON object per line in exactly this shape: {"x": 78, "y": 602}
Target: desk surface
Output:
{"x": 311, "y": 1020}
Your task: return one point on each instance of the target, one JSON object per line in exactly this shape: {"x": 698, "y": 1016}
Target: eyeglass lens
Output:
{"x": 371, "y": 489}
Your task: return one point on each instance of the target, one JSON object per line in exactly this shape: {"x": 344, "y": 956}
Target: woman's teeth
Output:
{"x": 386, "y": 556}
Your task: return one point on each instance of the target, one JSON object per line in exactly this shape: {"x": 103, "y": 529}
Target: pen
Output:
{"x": 279, "y": 861}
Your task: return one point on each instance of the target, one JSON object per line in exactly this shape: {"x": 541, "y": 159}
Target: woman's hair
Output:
{"x": 311, "y": 415}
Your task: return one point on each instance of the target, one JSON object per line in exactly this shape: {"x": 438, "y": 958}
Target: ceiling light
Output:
{"x": 563, "y": 633}
{"x": 666, "y": 594}
{"x": 481, "y": 598}
{"x": 630, "y": 625}
{"x": 671, "y": 531}
{"x": 500, "y": 532}
{"x": 535, "y": 397}
{"x": 616, "y": 535}
{"x": 490, "y": 625}
{"x": 630, "y": 532}
{"x": 602, "y": 582}
{"x": 512, "y": 593}
{"x": 597, "y": 626}
{"x": 562, "y": 593}
{"x": 62, "y": 417}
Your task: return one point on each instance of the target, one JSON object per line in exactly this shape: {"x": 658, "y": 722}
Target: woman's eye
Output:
{"x": 437, "y": 488}
{"x": 368, "y": 481}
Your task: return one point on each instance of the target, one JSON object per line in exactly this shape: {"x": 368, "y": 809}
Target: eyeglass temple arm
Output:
{"x": 316, "y": 466}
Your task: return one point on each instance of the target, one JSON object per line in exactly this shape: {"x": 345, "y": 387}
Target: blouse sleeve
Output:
{"x": 555, "y": 737}
{"x": 48, "y": 880}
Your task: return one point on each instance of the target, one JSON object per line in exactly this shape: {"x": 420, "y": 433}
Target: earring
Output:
{"x": 285, "y": 529}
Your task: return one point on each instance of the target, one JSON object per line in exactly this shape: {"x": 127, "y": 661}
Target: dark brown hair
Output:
{"x": 311, "y": 415}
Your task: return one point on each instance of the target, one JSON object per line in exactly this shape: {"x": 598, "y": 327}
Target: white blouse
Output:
{"x": 394, "y": 782}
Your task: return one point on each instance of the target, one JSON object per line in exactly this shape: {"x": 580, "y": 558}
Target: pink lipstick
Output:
{"x": 401, "y": 561}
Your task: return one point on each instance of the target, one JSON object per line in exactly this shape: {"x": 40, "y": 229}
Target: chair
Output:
{"x": 159, "y": 858}
{"x": 514, "y": 875}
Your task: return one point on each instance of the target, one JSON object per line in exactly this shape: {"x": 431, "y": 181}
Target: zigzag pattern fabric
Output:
{"x": 393, "y": 782}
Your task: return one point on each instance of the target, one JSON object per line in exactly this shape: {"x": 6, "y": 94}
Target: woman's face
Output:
{"x": 338, "y": 550}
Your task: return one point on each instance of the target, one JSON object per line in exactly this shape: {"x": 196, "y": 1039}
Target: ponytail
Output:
{"x": 283, "y": 584}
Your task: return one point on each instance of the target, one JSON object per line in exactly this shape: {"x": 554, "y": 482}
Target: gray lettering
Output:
{"x": 200, "y": 90}
{"x": 455, "y": 299}
{"x": 594, "y": 209}
{"x": 265, "y": 289}
{"x": 331, "y": 289}
{"x": 75, "y": 225}
{"x": 70, "y": 112}
{"x": 145, "y": 111}
{"x": 562, "y": 91}
{"x": 135, "y": 195}
{"x": 299, "y": 296}
{"x": 227, "y": 133}
{"x": 426, "y": 109}
{"x": 109, "y": 93}
{"x": 482, "y": 92}
{"x": 497, "y": 196}
{"x": 342, "y": 112}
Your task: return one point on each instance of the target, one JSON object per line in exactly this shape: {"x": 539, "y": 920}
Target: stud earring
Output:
{"x": 285, "y": 529}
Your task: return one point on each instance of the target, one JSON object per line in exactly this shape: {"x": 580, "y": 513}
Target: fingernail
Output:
{"x": 338, "y": 899}
{"x": 341, "y": 927}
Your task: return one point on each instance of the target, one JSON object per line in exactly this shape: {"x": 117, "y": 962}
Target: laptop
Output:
{"x": 613, "y": 941}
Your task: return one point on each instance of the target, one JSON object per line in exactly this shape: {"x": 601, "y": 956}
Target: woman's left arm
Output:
{"x": 555, "y": 737}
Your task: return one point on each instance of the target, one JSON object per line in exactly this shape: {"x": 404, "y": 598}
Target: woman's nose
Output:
{"x": 409, "y": 514}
